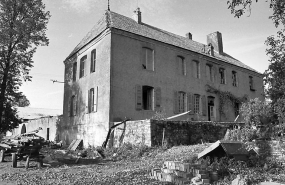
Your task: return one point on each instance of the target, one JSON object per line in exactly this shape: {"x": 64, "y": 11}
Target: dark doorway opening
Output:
{"x": 23, "y": 129}
{"x": 211, "y": 108}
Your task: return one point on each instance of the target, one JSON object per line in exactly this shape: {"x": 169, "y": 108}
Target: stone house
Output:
{"x": 126, "y": 68}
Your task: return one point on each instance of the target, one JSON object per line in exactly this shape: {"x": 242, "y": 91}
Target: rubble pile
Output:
{"x": 180, "y": 173}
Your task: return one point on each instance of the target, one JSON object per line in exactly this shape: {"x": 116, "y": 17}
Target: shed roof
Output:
{"x": 114, "y": 20}
{"x": 230, "y": 147}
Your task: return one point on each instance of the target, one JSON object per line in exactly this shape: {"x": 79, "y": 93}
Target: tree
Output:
{"x": 23, "y": 24}
{"x": 274, "y": 75}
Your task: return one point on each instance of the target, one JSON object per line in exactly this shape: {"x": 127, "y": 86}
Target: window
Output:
{"x": 148, "y": 62}
{"x": 147, "y": 97}
{"x": 196, "y": 69}
{"x": 234, "y": 77}
{"x": 251, "y": 83}
{"x": 222, "y": 76}
{"x": 74, "y": 71}
{"x": 236, "y": 109}
{"x": 72, "y": 106}
{"x": 209, "y": 72}
{"x": 93, "y": 61}
{"x": 181, "y": 65}
{"x": 212, "y": 111}
{"x": 181, "y": 102}
{"x": 196, "y": 103}
{"x": 82, "y": 66}
{"x": 92, "y": 100}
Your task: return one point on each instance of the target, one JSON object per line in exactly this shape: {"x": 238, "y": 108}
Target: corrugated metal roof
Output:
{"x": 115, "y": 20}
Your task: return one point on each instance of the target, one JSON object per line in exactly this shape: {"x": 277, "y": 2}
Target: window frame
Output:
{"x": 222, "y": 78}
{"x": 197, "y": 103}
{"x": 234, "y": 79}
{"x": 251, "y": 83}
{"x": 74, "y": 71}
{"x": 196, "y": 69}
{"x": 210, "y": 76}
{"x": 93, "y": 61}
{"x": 147, "y": 97}
{"x": 82, "y": 66}
{"x": 145, "y": 58}
{"x": 182, "y": 102}
{"x": 182, "y": 70}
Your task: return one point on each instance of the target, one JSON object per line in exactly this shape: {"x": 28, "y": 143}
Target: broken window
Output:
{"x": 234, "y": 78}
{"x": 222, "y": 76}
{"x": 196, "y": 69}
{"x": 74, "y": 70}
{"x": 93, "y": 61}
{"x": 181, "y": 65}
{"x": 196, "y": 103}
{"x": 147, "y": 97}
{"x": 148, "y": 59}
{"x": 82, "y": 66}
{"x": 181, "y": 102}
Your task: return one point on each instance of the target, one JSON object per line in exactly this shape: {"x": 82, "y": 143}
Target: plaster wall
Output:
{"x": 91, "y": 127}
{"x": 51, "y": 123}
{"x": 127, "y": 72}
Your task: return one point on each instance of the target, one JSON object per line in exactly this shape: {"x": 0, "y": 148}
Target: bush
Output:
{"x": 256, "y": 112}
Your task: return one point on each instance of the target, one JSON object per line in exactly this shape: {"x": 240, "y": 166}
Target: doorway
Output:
{"x": 23, "y": 129}
{"x": 211, "y": 108}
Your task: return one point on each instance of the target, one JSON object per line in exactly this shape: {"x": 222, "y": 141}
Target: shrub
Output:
{"x": 256, "y": 112}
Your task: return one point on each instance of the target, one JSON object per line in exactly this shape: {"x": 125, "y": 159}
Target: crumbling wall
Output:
{"x": 135, "y": 132}
{"x": 154, "y": 132}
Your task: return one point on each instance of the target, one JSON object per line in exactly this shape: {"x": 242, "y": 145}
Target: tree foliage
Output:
{"x": 22, "y": 29}
{"x": 274, "y": 75}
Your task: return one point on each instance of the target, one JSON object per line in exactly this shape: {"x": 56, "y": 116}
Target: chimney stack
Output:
{"x": 137, "y": 15}
{"x": 189, "y": 36}
{"x": 216, "y": 40}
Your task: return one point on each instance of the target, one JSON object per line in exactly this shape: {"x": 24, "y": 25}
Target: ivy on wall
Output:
{"x": 225, "y": 98}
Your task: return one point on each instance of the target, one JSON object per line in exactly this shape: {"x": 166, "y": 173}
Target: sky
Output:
{"x": 243, "y": 38}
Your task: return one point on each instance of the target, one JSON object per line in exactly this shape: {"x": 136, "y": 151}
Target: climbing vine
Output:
{"x": 225, "y": 97}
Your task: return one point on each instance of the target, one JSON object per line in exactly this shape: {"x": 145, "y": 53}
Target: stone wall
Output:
{"x": 135, "y": 132}
{"x": 152, "y": 132}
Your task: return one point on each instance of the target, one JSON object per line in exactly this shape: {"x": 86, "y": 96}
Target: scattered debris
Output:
{"x": 182, "y": 173}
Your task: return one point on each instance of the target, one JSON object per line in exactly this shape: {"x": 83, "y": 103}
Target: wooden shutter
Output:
{"x": 204, "y": 106}
{"x": 158, "y": 98}
{"x": 95, "y": 99}
{"x": 74, "y": 105}
{"x": 139, "y": 97}
{"x": 190, "y": 103}
{"x": 175, "y": 102}
{"x": 87, "y": 102}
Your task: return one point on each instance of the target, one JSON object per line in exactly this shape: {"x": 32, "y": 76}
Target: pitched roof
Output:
{"x": 115, "y": 20}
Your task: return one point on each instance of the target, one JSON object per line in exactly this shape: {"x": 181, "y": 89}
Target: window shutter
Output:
{"x": 87, "y": 102}
{"x": 139, "y": 98}
{"x": 74, "y": 105}
{"x": 95, "y": 99}
{"x": 175, "y": 102}
{"x": 158, "y": 98}
{"x": 190, "y": 103}
{"x": 68, "y": 106}
{"x": 144, "y": 50}
{"x": 204, "y": 106}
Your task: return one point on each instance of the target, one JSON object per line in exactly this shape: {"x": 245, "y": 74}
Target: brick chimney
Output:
{"x": 137, "y": 15}
{"x": 216, "y": 40}
{"x": 189, "y": 36}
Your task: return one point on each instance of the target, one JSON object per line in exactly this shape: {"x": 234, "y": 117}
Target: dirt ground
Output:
{"x": 95, "y": 171}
